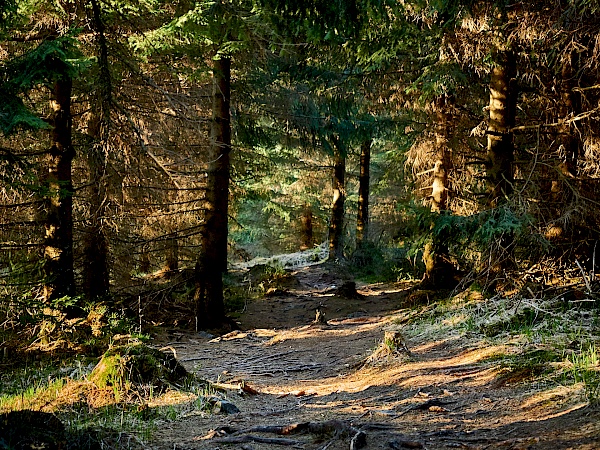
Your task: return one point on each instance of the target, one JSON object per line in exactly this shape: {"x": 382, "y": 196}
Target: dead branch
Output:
{"x": 259, "y": 439}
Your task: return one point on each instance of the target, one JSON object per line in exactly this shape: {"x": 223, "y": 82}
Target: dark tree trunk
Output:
{"x": 571, "y": 106}
{"x": 95, "y": 260}
{"x": 171, "y": 256}
{"x": 439, "y": 272}
{"x": 362, "y": 217}
{"x": 145, "y": 264}
{"x": 58, "y": 244}
{"x": 336, "y": 227}
{"x": 306, "y": 224}
{"x": 500, "y": 149}
{"x": 212, "y": 260}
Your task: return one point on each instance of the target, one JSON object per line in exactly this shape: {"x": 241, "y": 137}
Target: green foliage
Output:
{"x": 469, "y": 236}
{"x": 49, "y": 61}
{"x": 46, "y": 63}
{"x": 585, "y": 368}
{"x": 373, "y": 264}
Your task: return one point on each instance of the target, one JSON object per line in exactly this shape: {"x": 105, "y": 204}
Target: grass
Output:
{"x": 585, "y": 369}
{"x": 545, "y": 342}
{"x": 92, "y": 416}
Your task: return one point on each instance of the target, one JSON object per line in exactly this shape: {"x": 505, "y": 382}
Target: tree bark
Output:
{"x": 362, "y": 218}
{"x": 439, "y": 272}
{"x": 58, "y": 196}
{"x": 171, "y": 256}
{"x": 336, "y": 226}
{"x": 96, "y": 281}
{"x": 500, "y": 148}
{"x": 306, "y": 223}
{"x": 212, "y": 260}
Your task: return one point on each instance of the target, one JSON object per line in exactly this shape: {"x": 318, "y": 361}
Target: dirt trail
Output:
{"x": 445, "y": 395}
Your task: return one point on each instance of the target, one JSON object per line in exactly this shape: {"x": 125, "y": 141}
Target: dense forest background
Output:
{"x": 149, "y": 146}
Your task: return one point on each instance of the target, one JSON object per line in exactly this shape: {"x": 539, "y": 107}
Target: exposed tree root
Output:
{"x": 340, "y": 428}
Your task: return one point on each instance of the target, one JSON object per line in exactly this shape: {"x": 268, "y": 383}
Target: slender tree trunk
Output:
{"x": 336, "y": 227}
{"x": 500, "y": 149}
{"x": 145, "y": 264}
{"x": 306, "y": 223}
{"x": 362, "y": 217}
{"x": 96, "y": 283}
{"x": 439, "y": 272}
{"x": 565, "y": 172}
{"x": 212, "y": 261}
{"x": 171, "y": 256}
{"x": 570, "y": 106}
{"x": 58, "y": 244}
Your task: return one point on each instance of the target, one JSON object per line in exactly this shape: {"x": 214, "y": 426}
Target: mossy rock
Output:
{"x": 128, "y": 366}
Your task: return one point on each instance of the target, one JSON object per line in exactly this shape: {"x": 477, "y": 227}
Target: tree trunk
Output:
{"x": 500, "y": 149}
{"x": 212, "y": 261}
{"x": 171, "y": 256}
{"x": 336, "y": 227}
{"x": 439, "y": 272}
{"x": 570, "y": 106}
{"x": 58, "y": 244}
{"x": 306, "y": 223}
{"x": 362, "y": 217}
{"x": 95, "y": 257}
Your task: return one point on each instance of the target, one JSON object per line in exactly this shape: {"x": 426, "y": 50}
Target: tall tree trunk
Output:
{"x": 58, "y": 244}
{"x": 565, "y": 172}
{"x": 571, "y": 106}
{"x": 336, "y": 226}
{"x": 439, "y": 272}
{"x": 500, "y": 148}
{"x": 362, "y": 217}
{"x": 212, "y": 260}
{"x": 306, "y": 224}
{"x": 96, "y": 283}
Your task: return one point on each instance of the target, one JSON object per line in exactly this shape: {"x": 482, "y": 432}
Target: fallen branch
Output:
{"x": 260, "y": 439}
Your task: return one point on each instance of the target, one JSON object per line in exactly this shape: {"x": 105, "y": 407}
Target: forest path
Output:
{"x": 447, "y": 394}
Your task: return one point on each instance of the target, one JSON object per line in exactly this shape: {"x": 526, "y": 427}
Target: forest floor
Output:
{"x": 328, "y": 381}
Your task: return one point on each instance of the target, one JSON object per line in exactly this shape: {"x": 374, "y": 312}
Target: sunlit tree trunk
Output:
{"x": 212, "y": 260}
{"x": 364, "y": 177}
{"x": 95, "y": 256}
{"x": 58, "y": 196}
{"x": 439, "y": 272}
{"x": 336, "y": 226}
{"x": 500, "y": 147}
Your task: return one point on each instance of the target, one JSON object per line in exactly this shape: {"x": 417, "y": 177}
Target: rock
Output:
{"x": 223, "y": 406}
{"x": 348, "y": 290}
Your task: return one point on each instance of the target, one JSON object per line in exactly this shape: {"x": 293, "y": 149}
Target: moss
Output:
{"x": 125, "y": 366}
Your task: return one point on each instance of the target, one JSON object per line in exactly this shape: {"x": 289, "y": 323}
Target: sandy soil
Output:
{"x": 446, "y": 394}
